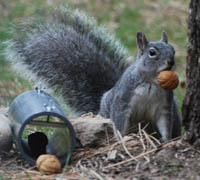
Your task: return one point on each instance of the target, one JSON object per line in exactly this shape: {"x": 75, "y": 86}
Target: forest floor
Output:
{"x": 141, "y": 157}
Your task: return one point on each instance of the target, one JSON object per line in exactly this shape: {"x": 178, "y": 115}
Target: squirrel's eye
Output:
{"x": 152, "y": 52}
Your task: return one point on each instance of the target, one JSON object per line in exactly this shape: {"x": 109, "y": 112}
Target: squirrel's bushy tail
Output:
{"x": 71, "y": 53}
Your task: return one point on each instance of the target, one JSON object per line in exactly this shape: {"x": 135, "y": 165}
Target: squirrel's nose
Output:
{"x": 170, "y": 62}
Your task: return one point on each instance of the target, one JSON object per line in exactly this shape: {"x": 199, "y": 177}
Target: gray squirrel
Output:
{"x": 92, "y": 71}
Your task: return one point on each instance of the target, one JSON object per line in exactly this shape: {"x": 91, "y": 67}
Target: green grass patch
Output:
{"x": 130, "y": 22}
{"x": 174, "y": 168}
{"x": 2, "y": 178}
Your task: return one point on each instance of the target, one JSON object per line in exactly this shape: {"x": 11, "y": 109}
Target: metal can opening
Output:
{"x": 41, "y": 127}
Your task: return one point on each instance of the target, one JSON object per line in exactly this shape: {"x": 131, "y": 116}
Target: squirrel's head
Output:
{"x": 155, "y": 56}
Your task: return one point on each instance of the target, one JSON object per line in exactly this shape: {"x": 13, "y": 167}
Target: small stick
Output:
{"x": 123, "y": 145}
{"x": 148, "y": 139}
{"x": 141, "y": 139}
{"x": 140, "y": 155}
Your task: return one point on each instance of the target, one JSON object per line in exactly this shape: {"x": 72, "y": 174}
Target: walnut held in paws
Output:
{"x": 168, "y": 79}
{"x": 48, "y": 164}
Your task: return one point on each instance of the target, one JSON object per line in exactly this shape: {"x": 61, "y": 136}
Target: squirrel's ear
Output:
{"x": 141, "y": 41}
{"x": 164, "y": 37}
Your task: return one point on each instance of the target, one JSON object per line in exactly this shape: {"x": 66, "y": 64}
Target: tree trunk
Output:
{"x": 191, "y": 104}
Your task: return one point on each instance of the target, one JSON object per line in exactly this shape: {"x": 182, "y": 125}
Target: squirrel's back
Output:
{"x": 71, "y": 54}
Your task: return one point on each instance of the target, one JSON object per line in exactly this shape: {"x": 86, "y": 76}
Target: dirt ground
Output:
{"x": 140, "y": 158}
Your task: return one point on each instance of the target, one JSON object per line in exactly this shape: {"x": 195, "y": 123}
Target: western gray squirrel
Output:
{"x": 91, "y": 70}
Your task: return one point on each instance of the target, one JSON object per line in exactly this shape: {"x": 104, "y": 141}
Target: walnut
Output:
{"x": 168, "y": 80}
{"x": 48, "y": 164}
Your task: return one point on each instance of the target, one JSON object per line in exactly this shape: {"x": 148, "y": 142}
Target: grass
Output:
{"x": 174, "y": 168}
{"x": 2, "y": 178}
{"x": 124, "y": 18}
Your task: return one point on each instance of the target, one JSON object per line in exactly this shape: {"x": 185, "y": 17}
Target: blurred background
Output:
{"x": 123, "y": 18}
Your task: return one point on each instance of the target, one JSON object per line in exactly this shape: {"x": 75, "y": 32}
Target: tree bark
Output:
{"x": 191, "y": 104}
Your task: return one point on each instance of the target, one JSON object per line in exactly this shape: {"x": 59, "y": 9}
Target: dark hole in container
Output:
{"x": 46, "y": 135}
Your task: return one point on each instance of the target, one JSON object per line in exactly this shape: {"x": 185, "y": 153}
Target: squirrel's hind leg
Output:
{"x": 164, "y": 127}
{"x": 177, "y": 122}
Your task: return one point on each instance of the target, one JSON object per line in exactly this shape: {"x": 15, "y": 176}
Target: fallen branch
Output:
{"x": 143, "y": 154}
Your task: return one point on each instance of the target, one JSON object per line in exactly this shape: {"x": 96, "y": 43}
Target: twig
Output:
{"x": 141, "y": 139}
{"x": 9, "y": 161}
{"x": 96, "y": 174}
{"x": 123, "y": 144}
{"x": 92, "y": 172}
{"x": 140, "y": 155}
{"x": 156, "y": 140}
{"x": 191, "y": 147}
{"x": 107, "y": 136}
{"x": 148, "y": 138}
